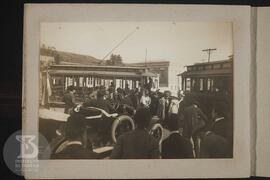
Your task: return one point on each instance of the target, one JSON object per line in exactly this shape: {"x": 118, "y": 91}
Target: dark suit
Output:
{"x": 214, "y": 146}
{"x": 176, "y": 147}
{"x": 69, "y": 100}
{"x": 136, "y": 144}
{"x": 224, "y": 128}
{"x": 194, "y": 120}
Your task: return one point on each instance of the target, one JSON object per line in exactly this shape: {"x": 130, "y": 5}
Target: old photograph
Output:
{"x": 136, "y": 90}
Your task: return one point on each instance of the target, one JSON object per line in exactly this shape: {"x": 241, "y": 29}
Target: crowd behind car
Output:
{"x": 192, "y": 134}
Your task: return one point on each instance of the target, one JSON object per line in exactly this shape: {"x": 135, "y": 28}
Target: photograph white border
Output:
{"x": 238, "y": 166}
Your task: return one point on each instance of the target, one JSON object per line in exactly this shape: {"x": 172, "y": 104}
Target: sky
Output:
{"x": 177, "y": 42}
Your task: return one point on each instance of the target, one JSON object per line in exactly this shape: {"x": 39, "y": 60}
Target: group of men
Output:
{"x": 191, "y": 133}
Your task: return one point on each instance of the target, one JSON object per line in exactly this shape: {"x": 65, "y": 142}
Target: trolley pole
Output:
{"x": 118, "y": 44}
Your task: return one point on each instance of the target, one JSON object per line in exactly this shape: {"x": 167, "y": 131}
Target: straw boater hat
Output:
{"x": 181, "y": 93}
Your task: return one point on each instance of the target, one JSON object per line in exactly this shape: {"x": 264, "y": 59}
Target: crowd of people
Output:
{"x": 192, "y": 134}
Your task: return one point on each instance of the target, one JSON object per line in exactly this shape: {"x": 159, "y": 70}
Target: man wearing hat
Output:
{"x": 181, "y": 97}
{"x": 176, "y": 146}
{"x": 69, "y": 99}
{"x": 194, "y": 121}
{"x": 100, "y": 102}
{"x": 163, "y": 107}
{"x": 75, "y": 145}
{"x": 137, "y": 144}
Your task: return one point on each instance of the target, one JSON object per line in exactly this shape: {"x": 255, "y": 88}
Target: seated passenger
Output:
{"x": 75, "y": 146}
{"x": 176, "y": 146}
{"x": 100, "y": 102}
{"x": 137, "y": 144}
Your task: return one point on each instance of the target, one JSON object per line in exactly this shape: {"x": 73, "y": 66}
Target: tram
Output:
{"x": 210, "y": 83}
{"x": 86, "y": 78}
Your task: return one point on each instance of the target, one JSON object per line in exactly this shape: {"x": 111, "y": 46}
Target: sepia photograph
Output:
{"x": 136, "y": 90}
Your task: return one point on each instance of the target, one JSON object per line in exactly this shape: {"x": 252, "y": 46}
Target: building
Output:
{"x": 166, "y": 71}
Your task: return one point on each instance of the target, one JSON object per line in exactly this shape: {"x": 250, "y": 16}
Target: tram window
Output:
{"x": 193, "y": 83}
{"x": 217, "y": 66}
{"x": 90, "y": 81}
{"x": 200, "y": 68}
{"x": 71, "y": 81}
{"x": 81, "y": 81}
{"x": 208, "y": 67}
{"x": 226, "y": 65}
{"x": 188, "y": 84}
{"x": 58, "y": 81}
{"x": 201, "y": 84}
{"x": 209, "y": 84}
{"x": 189, "y": 68}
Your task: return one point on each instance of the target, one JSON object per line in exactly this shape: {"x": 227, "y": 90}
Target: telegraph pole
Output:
{"x": 209, "y": 51}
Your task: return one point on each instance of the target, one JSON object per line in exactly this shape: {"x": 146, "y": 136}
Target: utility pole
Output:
{"x": 145, "y": 59}
{"x": 209, "y": 51}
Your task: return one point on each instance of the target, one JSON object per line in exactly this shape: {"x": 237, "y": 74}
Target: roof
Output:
{"x": 101, "y": 73}
{"x": 94, "y": 66}
{"x": 150, "y": 63}
{"x": 212, "y": 72}
{"x": 211, "y": 62}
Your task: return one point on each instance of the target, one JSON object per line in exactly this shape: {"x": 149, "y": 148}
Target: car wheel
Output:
{"x": 157, "y": 132}
{"x": 121, "y": 125}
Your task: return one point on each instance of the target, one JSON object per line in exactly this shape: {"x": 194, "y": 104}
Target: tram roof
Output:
{"x": 95, "y": 66}
{"x": 211, "y": 62}
{"x": 102, "y": 73}
{"x": 205, "y": 73}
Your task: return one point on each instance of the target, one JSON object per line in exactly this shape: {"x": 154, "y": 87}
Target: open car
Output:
{"x": 102, "y": 128}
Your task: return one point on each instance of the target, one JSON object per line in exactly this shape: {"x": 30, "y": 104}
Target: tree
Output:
{"x": 57, "y": 58}
{"x": 115, "y": 60}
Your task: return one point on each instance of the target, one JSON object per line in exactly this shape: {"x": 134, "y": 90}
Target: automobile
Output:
{"x": 102, "y": 128}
